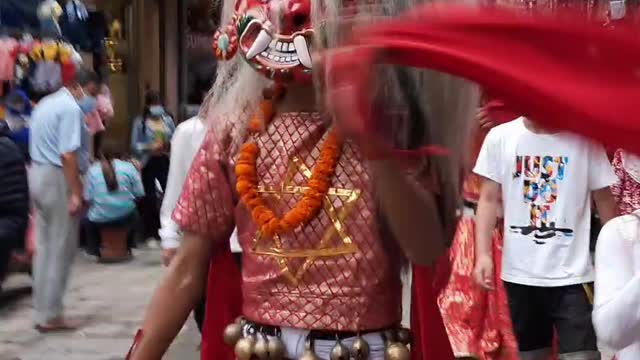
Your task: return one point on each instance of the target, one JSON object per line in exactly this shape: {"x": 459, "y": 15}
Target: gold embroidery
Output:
{"x": 324, "y": 248}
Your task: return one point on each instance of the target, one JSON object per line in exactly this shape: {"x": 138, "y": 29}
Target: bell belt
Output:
{"x": 275, "y": 331}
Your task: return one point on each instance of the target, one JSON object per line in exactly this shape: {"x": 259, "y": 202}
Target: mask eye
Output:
{"x": 299, "y": 20}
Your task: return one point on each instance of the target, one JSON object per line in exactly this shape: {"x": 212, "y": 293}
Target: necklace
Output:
{"x": 307, "y": 208}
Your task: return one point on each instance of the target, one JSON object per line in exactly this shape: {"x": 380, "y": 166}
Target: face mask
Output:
{"x": 156, "y": 110}
{"x": 88, "y": 104}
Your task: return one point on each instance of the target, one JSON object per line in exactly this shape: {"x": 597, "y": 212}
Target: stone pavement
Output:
{"x": 110, "y": 299}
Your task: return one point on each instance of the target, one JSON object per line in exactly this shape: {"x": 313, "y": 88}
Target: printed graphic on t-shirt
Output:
{"x": 158, "y": 129}
{"x": 541, "y": 177}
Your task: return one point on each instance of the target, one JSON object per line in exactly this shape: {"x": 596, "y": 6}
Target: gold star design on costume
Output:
{"x": 275, "y": 250}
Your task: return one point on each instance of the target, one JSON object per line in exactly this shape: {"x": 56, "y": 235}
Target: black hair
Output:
{"x": 84, "y": 77}
{"x": 152, "y": 97}
{"x": 109, "y": 152}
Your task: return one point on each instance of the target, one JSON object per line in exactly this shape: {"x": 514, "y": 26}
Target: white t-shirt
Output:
{"x": 546, "y": 180}
{"x": 616, "y": 314}
{"x": 185, "y": 144}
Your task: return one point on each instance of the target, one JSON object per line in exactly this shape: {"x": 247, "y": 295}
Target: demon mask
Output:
{"x": 273, "y": 36}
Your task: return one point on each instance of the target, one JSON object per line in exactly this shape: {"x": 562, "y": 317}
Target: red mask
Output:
{"x": 274, "y": 36}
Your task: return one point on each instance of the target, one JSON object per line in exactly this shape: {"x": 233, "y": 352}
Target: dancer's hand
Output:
{"x": 483, "y": 272}
{"x": 168, "y": 255}
{"x": 483, "y": 119}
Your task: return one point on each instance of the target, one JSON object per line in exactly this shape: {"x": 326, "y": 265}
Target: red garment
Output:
{"x": 430, "y": 339}
{"x": 626, "y": 191}
{"x": 224, "y": 304}
{"x": 478, "y": 322}
{"x": 329, "y": 274}
{"x": 498, "y": 49}
{"x": 68, "y": 70}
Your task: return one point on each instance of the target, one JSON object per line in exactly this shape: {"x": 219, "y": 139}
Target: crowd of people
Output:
{"x": 78, "y": 183}
{"x": 520, "y": 280}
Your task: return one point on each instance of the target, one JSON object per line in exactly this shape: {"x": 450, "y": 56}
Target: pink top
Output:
{"x": 340, "y": 272}
{"x": 8, "y": 47}
{"x": 104, "y": 112}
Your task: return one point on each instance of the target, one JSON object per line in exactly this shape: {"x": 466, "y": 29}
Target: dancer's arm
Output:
{"x": 486, "y": 218}
{"x": 205, "y": 208}
{"x": 412, "y": 213}
{"x": 616, "y": 314}
{"x": 178, "y": 294}
{"x": 488, "y": 166}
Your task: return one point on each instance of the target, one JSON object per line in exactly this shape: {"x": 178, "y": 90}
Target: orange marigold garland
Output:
{"x": 310, "y": 204}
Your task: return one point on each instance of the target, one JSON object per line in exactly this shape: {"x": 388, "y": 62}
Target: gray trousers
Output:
{"x": 56, "y": 238}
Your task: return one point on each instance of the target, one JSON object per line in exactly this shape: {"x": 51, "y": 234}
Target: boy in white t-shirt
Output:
{"x": 546, "y": 182}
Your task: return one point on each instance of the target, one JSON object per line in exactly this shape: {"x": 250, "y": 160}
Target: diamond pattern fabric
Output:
{"x": 338, "y": 272}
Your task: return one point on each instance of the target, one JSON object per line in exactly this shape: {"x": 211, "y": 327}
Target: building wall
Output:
{"x": 150, "y": 52}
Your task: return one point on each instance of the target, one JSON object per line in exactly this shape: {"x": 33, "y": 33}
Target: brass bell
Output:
{"x": 309, "y": 355}
{"x": 390, "y": 336}
{"x": 261, "y": 348}
{"x": 397, "y": 351}
{"x": 360, "y": 349}
{"x": 232, "y": 333}
{"x": 404, "y": 336}
{"x": 339, "y": 352}
{"x": 245, "y": 348}
{"x": 276, "y": 349}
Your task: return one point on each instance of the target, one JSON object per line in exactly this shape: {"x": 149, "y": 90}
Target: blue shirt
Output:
{"x": 58, "y": 127}
{"x": 143, "y": 136}
{"x": 109, "y": 206}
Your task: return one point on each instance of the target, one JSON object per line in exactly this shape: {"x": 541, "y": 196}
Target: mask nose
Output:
{"x": 296, "y": 16}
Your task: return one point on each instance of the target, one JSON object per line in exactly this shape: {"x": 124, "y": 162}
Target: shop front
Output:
{"x": 162, "y": 45}
{"x": 198, "y": 64}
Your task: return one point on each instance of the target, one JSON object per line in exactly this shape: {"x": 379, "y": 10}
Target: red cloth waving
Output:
{"x": 564, "y": 73}
{"x": 224, "y": 304}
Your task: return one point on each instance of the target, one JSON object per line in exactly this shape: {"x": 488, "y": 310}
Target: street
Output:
{"x": 109, "y": 301}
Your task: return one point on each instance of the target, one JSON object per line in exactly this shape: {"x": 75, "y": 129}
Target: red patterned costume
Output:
{"x": 478, "y": 322}
{"x": 335, "y": 273}
{"x": 305, "y": 272}
{"x": 626, "y": 191}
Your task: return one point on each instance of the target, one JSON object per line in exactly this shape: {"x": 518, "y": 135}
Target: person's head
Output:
{"x": 110, "y": 151}
{"x": 153, "y": 104}
{"x": 84, "y": 87}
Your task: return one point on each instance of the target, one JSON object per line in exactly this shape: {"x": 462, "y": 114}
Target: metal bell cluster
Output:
{"x": 309, "y": 354}
{"x": 359, "y": 350}
{"x": 253, "y": 345}
{"x": 398, "y": 342}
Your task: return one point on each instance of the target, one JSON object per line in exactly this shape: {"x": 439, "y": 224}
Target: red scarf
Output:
{"x": 564, "y": 73}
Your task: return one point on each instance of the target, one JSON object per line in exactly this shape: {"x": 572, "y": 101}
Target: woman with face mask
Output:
{"x": 150, "y": 140}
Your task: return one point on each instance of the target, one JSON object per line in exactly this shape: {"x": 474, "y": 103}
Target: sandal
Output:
{"x": 55, "y": 326}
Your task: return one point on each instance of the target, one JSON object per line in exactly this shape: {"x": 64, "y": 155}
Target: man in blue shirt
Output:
{"x": 59, "y": 152}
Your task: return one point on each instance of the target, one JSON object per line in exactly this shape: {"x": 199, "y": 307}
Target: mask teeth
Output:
{"x": 259, "y": 45}
{"x": 302, "y": 49}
